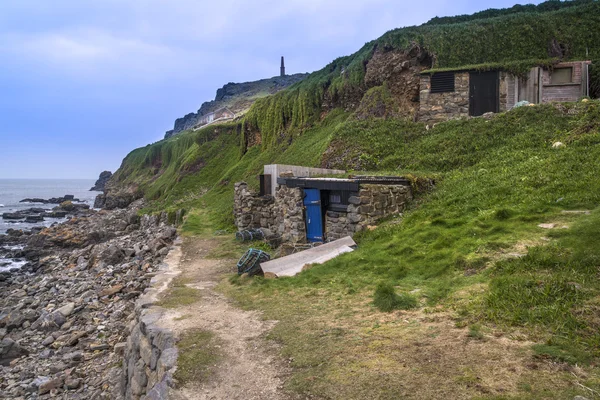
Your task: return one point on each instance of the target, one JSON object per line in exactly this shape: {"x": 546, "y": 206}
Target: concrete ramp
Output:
{"x": 293, "y": 264}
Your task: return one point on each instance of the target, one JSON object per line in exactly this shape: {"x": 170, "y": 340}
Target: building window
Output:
{"x": 335, "y": 198}
{"x": 442, "y": 82}
{"x": 560, "y": 76}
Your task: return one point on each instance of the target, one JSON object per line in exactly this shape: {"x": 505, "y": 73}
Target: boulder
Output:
{"x": 49, "y": 322}
{"x": 112, "y": 255}
{"x": 100, "y": 201}
{"x": 110, "y": 291}
{"x": 67, "y": 309}
{"x": 32, "y": 219}
{"x": 72, "y": 383}
{"x": 47, "y": 386}
{"x": 13, "y": 216}
{"x": 55, "y": 214}
{"x": 67, "y": 205}
{"x": 9, "y": 350}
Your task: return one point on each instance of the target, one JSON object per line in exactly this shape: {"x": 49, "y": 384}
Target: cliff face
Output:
{"x": 237, "y": 97}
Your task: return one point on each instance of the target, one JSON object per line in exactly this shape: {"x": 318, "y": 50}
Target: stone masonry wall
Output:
{"x": 150, "y": 355}
{"x": 372, "y": 203}
{"x": 251, "y": 211}
{"x": 289, "y": 214}
{"x": 437, "y": 107}
{"x": 282, "y": 214}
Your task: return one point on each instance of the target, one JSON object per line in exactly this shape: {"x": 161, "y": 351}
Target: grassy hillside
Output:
{"x": 197, "y": 169}
{"x": 466, "y": 295}
{"x": 517, "y": 40}
{"x": 294, "y": 122}
{"x": 467, "y": 265}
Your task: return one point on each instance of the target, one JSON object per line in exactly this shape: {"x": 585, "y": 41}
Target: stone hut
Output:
{"x": 468, "y": 92}
{"x": 307, "y": 209}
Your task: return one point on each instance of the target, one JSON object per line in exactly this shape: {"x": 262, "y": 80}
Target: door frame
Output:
{"x": 472, "y": 95}
{"x": 320, "y": 217}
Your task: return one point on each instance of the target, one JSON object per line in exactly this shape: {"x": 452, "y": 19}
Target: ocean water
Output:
{"x": 14, "y": 190}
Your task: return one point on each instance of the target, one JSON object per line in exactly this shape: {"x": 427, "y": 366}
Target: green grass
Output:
{"x": 198, "y": 352}
{"x": 197, "y": 170}
{"x": 496, "y": 181}
{"x": 554, "y": 287}
{"x": 453, "y": 44}
{"x": 179, "y": 294}
{"x": 454, "y": 249}
{"x": 386, "y": 299}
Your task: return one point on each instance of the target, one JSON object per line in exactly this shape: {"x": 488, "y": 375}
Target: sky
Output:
{"x": 82, "y": 83}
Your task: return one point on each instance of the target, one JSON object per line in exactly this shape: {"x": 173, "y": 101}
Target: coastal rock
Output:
{"x": 72, "y": 383}
{"x": 55, "y": 214}
{"x": 53, "y": 200}
{"x": 12, "y": 216}
{"x": 234, "y": 97}
{"x": 67, "y": 309}
{"x": 49, "y": 321}
{"x": 100, "y": 200}
{"x": 9, "y": 350}
{"x": 73, "y": 306}
{"x": 47, "y": 386}
{"x": 101, "y": 182}
{"x": 112, "y": 255}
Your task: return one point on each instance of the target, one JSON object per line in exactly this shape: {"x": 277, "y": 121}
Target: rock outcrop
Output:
{"x": 238, "y": 97}
{"x": 53, "y": 200}
{"x": 101, "y": 182}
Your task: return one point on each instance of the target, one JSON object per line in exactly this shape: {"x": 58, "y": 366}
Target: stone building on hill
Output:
{"x": 468, "y": 92}
{"x": 316, "y": 209}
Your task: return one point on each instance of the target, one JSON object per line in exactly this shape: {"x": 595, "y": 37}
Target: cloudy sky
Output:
{"x": 82, "y": 83}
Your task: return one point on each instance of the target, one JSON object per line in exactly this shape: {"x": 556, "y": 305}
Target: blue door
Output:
{"x": 314, "y": 217}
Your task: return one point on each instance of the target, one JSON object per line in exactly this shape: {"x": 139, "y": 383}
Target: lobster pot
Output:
{"x": 250, "y": 262}
{"x": 249, "y": 235}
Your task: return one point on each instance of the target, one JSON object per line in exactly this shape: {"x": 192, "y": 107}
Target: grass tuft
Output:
{"x": 386, "y": 299}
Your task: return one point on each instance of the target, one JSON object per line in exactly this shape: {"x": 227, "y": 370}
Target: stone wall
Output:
{"x": 150, "y": 355}
{"x": 566, "y": 91}
{"x": 251, "y": 211}
{"x": 372, "y": 203}
{"x": 289, "y": 214}
{"x": 284, "y": 214}
{"x": 437, "y": 107}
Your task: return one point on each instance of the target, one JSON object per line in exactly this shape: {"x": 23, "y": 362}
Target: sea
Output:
{"x": 12, "y": 191}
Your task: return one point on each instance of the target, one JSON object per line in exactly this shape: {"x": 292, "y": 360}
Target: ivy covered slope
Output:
{"x": 197, "y": 169}
{"x": 518, "y": 40}
{"x": 295, "y": 125}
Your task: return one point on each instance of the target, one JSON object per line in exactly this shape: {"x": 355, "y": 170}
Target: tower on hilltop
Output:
{"x": 282, "y": 67}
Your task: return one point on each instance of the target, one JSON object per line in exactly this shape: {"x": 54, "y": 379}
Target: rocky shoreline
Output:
{"x": 66, "y": 315}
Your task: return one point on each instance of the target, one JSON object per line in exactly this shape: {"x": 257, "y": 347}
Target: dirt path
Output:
{"x": 250, "y": 367}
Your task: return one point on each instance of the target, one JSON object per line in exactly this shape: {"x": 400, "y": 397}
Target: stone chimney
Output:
{"x": 282, "y": 67}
